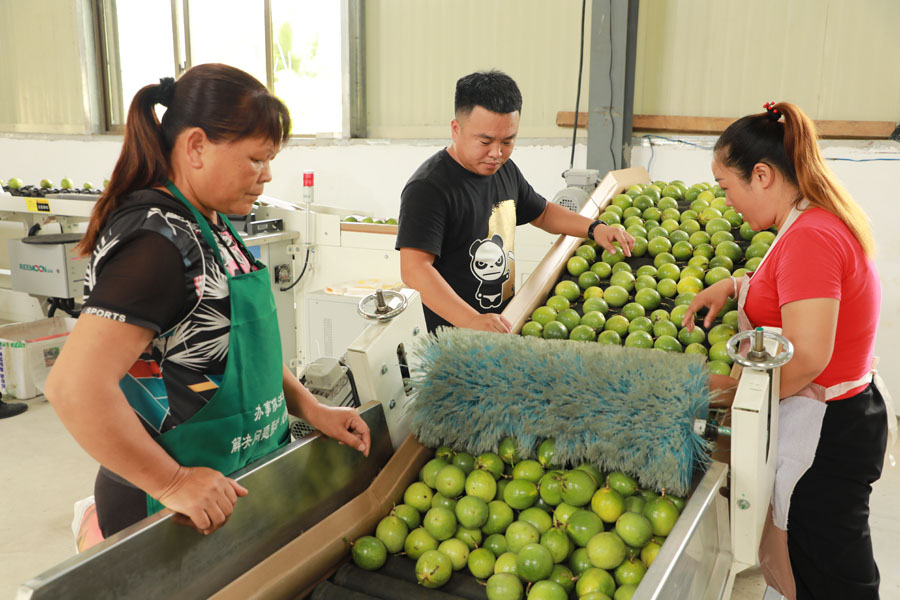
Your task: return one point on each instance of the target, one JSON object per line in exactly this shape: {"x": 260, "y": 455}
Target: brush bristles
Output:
{"x": 620, "y": 408}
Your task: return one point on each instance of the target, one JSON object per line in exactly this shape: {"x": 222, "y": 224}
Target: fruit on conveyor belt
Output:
{"x": 31, "y": 191}
{"x": 686, "y": 239}
{"x": 500, "y": 526}
{"x": 16, "y": 187}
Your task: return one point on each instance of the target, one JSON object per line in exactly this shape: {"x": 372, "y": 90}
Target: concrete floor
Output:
{"x": 45, "y": 472}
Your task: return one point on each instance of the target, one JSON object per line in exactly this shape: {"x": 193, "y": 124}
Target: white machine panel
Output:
{"x": 382, "y": 357}
{"x": 332, "y": 324}
{"x": 754, "y": 449}
{"x": 47, "y": 265}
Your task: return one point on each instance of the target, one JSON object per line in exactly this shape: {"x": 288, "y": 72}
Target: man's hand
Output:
{"x": 489, "y": 322}
{"x": 605, "y": 235}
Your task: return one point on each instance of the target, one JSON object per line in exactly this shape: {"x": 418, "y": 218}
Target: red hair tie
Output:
{"x": 772, "y": 111}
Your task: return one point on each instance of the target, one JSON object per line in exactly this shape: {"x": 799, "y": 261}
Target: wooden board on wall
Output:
{"x": 370, "y": 228}
{"x": 716, "y": 125}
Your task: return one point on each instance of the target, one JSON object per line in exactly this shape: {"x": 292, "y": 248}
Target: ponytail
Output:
{"x": 143, "y": 161}
{"x": 791, "y": 146}
{"x": 816, "y": 180}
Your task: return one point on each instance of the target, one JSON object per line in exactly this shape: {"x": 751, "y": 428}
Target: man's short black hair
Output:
{"x": 494, "y": 90}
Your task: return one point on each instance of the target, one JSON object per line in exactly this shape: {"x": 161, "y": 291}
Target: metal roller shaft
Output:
{"x": 328, "y": 591}
{"x": 384, "y": 587}
{"x": 461, "y": 583}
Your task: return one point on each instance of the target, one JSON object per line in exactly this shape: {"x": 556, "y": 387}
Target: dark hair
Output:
{"x": 791, "y": 146}
{"x": 226, "y": 103}
{"x": 494, "y": 90}
{"x": 755, "y": 139}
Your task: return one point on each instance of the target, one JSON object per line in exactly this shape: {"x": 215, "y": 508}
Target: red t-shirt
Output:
{"x": 818, "y": 257}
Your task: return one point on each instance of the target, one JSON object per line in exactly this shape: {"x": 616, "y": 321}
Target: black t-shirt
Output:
{"x": 468, "y": 221}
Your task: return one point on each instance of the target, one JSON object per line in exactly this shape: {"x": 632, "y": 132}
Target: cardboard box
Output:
{"x": 295, "y": 569}
{"x": 27, "y": 352}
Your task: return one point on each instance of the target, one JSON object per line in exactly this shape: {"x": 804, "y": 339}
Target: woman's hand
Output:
{"x": 341, "y": 423}
{"x": 714, "y": 298}
{"x": 202, "y": 497}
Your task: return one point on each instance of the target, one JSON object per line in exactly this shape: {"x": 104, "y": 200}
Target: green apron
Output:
{"x": 246, "y": 418}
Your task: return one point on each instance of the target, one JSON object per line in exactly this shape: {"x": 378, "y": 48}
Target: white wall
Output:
{"x": 368, "y": 175}
{"x": 361, "y": 175}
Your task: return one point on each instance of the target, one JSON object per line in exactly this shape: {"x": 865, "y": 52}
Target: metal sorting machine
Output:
{"x": 308, "y": 498}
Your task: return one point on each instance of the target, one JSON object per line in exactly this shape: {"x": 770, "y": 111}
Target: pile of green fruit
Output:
{"x": 361, "y": 219}
{"x": 686, "y": 238}
{"x": 524, "y": 526}
{"x": 17, "y": 187}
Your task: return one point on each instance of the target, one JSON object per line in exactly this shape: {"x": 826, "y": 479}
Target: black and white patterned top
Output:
{"x": 152, "y": 268}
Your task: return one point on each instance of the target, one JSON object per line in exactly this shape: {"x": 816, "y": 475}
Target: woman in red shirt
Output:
{"x": 819, "y": 284}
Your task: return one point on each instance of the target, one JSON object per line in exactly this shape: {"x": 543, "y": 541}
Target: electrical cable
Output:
{"x": 67, "y": 305}
{"x": 649, "y": 137}
{"x": 578, "y": 91}
{"x": 300, "y": 276}
{"x": 862, "y": 159}
{"x": 612, "y": 122}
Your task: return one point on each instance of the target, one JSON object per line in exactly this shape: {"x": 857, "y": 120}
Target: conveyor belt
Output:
{"x": 386, "y": 587}
{"x": 461, "y": 583}
{"x": 397, "y": 579}
{"x": 692, "y": 564}
{"x": 290, "y": 490}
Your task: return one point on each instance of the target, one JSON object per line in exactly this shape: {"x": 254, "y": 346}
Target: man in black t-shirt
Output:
{"x": 460, "y": 209}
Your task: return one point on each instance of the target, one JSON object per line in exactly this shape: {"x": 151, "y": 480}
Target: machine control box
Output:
{"x": 251, "y": 225}
{"x": 47, "y": 265}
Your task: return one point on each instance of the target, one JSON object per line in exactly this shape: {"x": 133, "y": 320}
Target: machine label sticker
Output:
{"x": 37, "y": 205}
{"x": 35, "y": 268}
{"x": 50, "y": 356}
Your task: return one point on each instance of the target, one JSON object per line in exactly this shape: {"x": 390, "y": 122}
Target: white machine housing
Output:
{"x": 382, "y": 358}
{"x": 754, "y": 451}
{"x": 580, "y": 183}
{"x": 47, "y": 265}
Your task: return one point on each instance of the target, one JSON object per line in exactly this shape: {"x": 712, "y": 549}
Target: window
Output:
{"x": 138, "y": 38}
{"x": 228, "y": 31}
{"x": 144, "y": 40}
{"x": 306, "y": 62}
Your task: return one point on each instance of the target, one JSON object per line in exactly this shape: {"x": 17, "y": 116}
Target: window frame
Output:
{"x": 352, "y": 31}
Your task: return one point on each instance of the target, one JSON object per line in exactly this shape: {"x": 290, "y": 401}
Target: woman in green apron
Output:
{"x": 173, "y": 378}
{"x": 819, "y": 284}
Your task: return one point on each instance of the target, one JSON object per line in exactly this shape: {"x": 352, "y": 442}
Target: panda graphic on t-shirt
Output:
{"x": 490, "y": 265}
